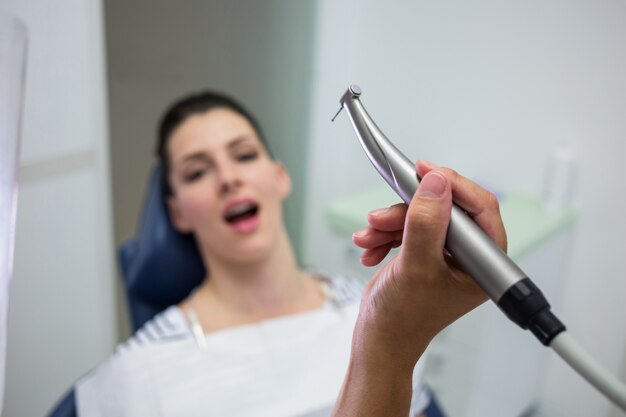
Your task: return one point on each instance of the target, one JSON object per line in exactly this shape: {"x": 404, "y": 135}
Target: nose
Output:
{"x": 229, "y": 177}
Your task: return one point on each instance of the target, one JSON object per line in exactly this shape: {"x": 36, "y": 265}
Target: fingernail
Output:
{"x": 364, "y": 258}
{"x": 360, "y": 232}
{"x": 429, "y": 164}
{"x": 432, "y": 185}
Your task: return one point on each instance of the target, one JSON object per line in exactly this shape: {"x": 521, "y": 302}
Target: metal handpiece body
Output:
{"x": 504, "y": 282}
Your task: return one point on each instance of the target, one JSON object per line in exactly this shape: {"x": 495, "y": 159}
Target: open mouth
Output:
{"x": 241, "y": 212}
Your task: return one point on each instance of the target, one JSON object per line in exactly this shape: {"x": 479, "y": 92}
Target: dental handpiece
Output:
{"x": 503, "y": 281}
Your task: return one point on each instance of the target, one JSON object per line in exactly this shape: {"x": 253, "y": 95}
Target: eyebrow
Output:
{"x": 236, "y": 142}
{"x": 201, "y": 156}
{"x": 196, "y": 156}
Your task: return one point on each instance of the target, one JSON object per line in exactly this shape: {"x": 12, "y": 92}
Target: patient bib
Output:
{"x": 292, "y": 366}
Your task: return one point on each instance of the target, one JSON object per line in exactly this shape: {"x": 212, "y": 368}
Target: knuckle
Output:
{"x": 493, "y": 203}
{"x": 450, "y": 173}
{"x": 424, "y": 216}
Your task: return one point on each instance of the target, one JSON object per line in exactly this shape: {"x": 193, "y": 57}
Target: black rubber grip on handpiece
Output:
{"x": 526, "y": 305}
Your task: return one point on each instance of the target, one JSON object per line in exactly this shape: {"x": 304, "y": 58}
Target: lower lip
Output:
{"x": 246, "y": 226}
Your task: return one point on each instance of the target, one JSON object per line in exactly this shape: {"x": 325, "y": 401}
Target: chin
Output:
{"x": 251, "y": 253}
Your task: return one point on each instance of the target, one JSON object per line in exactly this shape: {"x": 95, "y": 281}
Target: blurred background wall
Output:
{"x": 491, "y": 88}
{"x": 488, "y": 87}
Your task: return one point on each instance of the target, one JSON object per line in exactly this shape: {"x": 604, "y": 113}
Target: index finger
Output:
{"x": 388, "y": 220}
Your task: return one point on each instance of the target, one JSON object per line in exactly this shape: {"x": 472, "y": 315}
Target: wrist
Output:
{"x": 385, "y": 346}
{"x": 379, "y": 381}
{"x": 375, "y": 384}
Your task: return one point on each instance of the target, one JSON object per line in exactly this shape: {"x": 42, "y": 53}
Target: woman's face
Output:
{"x": 227, "y": 191}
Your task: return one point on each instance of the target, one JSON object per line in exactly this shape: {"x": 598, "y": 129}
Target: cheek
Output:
{"x": 268, "y": 182}
{"x": 195, "y": 206}
{"x": 270, "y": 187}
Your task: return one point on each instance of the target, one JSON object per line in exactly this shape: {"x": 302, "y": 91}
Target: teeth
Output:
{"x": 240, "y": 209}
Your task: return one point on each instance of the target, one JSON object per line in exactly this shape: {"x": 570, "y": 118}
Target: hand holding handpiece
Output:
{"x": 424, "y": 276}
{"x": 414, "y": 295}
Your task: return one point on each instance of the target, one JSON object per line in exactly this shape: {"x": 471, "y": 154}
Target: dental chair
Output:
{"x": 159, "y": 268}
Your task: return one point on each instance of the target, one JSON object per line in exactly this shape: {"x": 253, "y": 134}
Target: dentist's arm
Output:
{"x": 415, "y": 295}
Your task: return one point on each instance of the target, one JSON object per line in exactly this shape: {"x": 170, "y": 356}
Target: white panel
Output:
{"x": 12, "y": 68}
{"x": 64, "y": 77}
{"x": 61, "y": 312}
{"x": 61, "y": 308}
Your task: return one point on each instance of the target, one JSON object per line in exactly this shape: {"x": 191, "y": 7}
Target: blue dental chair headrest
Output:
{"x": 160, "y": 266}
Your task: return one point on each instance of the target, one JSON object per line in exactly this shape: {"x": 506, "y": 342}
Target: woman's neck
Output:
{"x": 271, "y": 287}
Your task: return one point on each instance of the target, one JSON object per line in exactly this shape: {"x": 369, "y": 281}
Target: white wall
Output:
{"x": 61, "y": 309}
{"x": 490, "y": 88}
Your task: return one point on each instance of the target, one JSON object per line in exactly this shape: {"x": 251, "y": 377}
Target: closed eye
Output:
{"x": 247, "y": 156}
{"x": 194, "y": 175}
{"x": 195, "y": 171}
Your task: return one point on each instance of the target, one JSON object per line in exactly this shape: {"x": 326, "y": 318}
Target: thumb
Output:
{"x": 427, "y": 220}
